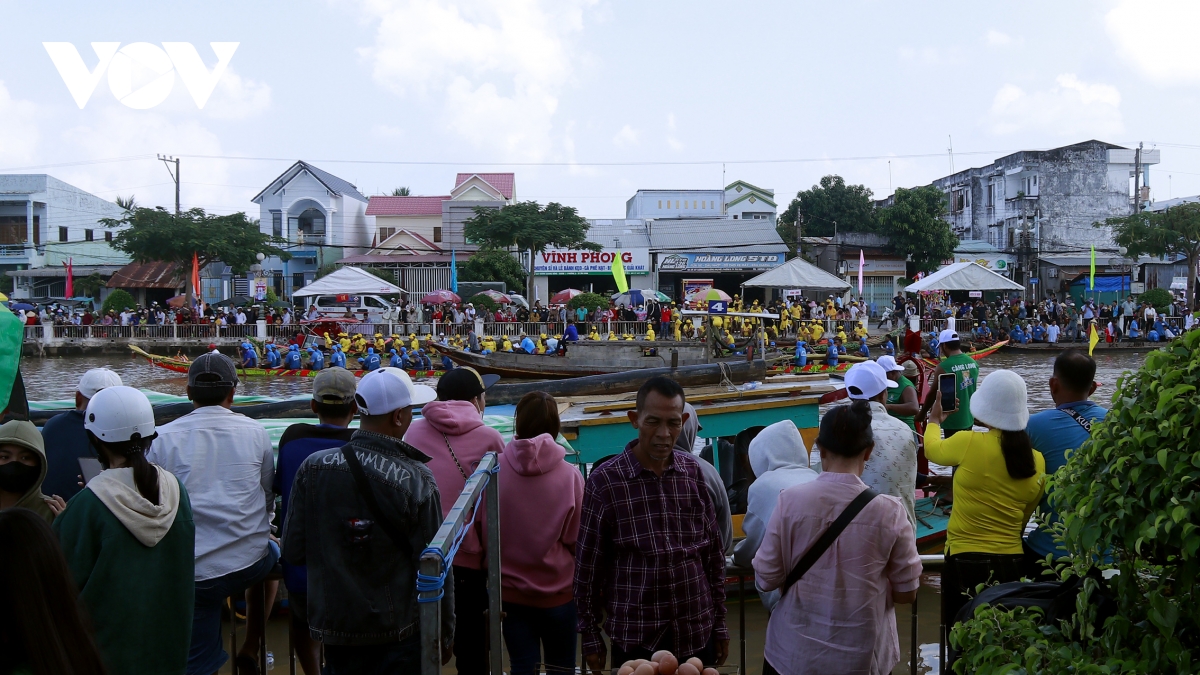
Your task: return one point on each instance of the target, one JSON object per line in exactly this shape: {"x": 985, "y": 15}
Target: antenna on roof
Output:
{"x": 951, "y": 151}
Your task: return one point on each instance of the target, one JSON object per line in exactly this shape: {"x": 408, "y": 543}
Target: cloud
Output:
{"x": 1158, "y": 37}
{"x": 626, "y": 137}
{"x": 998, "y": 39}
{"x": 1072, "y": 108}
{"x": 498, "y": 68}
{"x": 18, "y": 130}
{"x": 672, "y": 140}
{"x": 236, "y": 97}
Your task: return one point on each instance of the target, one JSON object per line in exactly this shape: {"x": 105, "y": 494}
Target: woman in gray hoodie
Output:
{"x": 712, "y": 477}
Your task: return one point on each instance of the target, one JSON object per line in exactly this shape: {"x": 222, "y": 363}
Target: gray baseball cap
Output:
{"x": 334, "y": 385}
{"x": 212, "y": 370}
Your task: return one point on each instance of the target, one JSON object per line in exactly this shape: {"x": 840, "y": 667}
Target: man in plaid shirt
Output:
{"x": 649, "y": 552}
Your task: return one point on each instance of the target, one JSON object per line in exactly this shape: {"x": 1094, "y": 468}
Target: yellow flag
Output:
{"x": 1093, "y": 340}
{"x": 618, "y": 272}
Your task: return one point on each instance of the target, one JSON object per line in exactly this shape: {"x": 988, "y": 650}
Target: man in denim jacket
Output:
{"x": 362, "y": 585}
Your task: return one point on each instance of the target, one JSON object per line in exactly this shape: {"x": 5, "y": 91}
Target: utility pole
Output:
{"x": 1137, "y": 179}
{"x": 167, "y": 160}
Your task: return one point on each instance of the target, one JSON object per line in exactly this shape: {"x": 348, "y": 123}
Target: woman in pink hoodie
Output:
{"x": 540, "y": 499}
{"x": 451, "y": 431}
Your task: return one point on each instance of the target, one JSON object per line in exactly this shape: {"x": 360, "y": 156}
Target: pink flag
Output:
{"x": 862, "y": 261}
{"x": 69, "y": 291}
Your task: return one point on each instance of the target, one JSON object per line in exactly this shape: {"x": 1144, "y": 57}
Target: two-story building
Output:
{"x": 744, "y": 201}
{"x": 45, "y": 222}
{"x": 322, "y": 217}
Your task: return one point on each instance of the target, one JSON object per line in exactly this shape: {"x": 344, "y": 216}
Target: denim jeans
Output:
{"x": 207, "y": 653}
{"x": 540, "y": 635}
{"x": 387, "y": 659}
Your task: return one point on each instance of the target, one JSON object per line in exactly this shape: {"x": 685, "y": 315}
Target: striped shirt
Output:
{"x": 649, "y": 555}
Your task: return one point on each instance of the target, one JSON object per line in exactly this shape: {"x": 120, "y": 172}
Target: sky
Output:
{"x": 588, "y": 101}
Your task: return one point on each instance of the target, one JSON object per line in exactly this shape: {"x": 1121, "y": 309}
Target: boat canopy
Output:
{"x": 350, "y": 281}
{"x": 799, "y": 273}
{"x": 964, "y": 276}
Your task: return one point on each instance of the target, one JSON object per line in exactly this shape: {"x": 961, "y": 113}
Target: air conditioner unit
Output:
{"x": 1052, "y": 272}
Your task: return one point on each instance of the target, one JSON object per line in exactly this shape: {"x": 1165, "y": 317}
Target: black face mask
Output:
{"x": 17, "y": 478}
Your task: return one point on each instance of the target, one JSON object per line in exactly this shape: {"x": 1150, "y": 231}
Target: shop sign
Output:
{"x": 975, "y": 294}
{"x": 995, "y": 262}
{"x": 679, "y": 262}
{"x": 875, "y": 267}
{"x": 556, "y": 261}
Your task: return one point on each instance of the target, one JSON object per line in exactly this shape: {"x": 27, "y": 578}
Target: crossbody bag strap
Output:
{"x": 1083, "y": 421}
{"x": 818, "y": 549}
{"x": 454, "y": 456}
{"x": 368, "y": 495}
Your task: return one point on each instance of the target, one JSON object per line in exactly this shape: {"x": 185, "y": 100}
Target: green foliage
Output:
{"x": 270, "y": 296}
{"x": 529, "y": 226}
{"x": 915, "y": 228}
{"x": 401, "y": 192}
{"x": 87, "y": 286}
{"x": 1174, "y": 231}
{"x": 592, "y": 301}
{"x": 819, "y": 207}
{"x": 494, "y": 265}
{"x": 1130, "y": 493}
{"x": 156, "y": 234}
{"x": 1160, "y": 298}
{"x": 117, "y": 301}
{"x": 482, "y": 301}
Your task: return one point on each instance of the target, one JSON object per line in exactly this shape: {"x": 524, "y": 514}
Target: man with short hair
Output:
{"x": 65, "y": 439}
{"x": 966, "y": 379}
{"x": 359, "y": 517}
{"x": 649, "y": 559}
{"x": 1059, "y": 432}
{"x": 226, "y": 462}
{"x": 333, "y": 402}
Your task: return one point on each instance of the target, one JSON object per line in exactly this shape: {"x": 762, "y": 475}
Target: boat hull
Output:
{"x": 178, "y": 366}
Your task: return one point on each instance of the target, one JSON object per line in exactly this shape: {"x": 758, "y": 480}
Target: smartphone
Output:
{"x": 90, "y": 468}
{"x": 947, "y": 384}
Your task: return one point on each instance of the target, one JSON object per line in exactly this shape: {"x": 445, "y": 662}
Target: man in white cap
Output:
{"x": 892, "y": 466}
{"x": 902, "y": 400}
{"x": 65, "y": 439}
{"x": 966, "y": 379}
{"x": 358, "y": 518}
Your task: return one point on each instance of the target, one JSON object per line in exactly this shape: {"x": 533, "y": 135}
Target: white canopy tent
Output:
{"x": 964, "y": 276}
{"x": 799, "y": 273}
{"x": 351, "y": 281}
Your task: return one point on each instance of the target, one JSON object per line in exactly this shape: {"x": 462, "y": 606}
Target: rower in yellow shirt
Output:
{"x": 859, "y": 331}
{"x": 612, "y": 336}
{"x": 816, "y": 331}
{"x": 841, "y": 334}
{"x": 328, "y": 341}
{"x": 594, "y": 334}
{"x": 649, "y": 334}
{"x": 344, "y": 341}
{"x": 678, "y": 331}
{"x": 506, "y": 346}
{"x": 415, "y": 344}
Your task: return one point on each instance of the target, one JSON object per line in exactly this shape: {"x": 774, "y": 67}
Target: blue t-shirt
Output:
{"x": 528, "y": 346}
{"x": 1054, "y": 433}
{"x": 571, "y": 334}
{"x": 297, "y": 443}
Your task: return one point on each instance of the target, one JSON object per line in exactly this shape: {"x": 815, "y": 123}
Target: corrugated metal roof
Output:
{"x": 406, "y": 206}
{"x": 503, "y": 182}
{"x": 631, "y": 233}
{"x": 156, "y": 274}
{"x": 718, "y": 235}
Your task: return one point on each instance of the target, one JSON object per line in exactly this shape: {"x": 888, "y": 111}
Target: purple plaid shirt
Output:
{"x": 649, "y": 554}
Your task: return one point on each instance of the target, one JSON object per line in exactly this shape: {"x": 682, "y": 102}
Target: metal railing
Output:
{"x": 34, "y": 333}
{"x": 438, "y": 557}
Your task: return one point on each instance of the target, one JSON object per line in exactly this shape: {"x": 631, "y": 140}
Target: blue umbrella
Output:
{"x": 23, "y": 306}
{"x": 638, "y": 296}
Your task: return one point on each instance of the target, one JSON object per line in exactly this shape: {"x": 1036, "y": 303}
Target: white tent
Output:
{"x": 799, "y": 273}
{"x": 349, "y": 280}
{"x": 964, "y": 276}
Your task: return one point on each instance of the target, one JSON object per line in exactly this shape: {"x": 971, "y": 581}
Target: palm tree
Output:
{"x": 401, "y": 192}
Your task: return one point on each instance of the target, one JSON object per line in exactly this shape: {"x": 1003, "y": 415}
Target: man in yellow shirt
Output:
{"x": 817, "y": 331}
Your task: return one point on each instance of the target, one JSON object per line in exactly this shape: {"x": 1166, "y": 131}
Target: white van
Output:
{"x": 378, "y": 309}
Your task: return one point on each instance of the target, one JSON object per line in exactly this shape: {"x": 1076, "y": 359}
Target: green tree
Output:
{"x": 528, "y": 226}
{"x": 87, "y": 286}
{"x": 483, "y": 302}
{"x": 592, "y": 301}
{"x": 1174, "y": 231}
{"x": 117, "y": 301}
{"x": 818, "y": 208}
{"x": 157, "y": 234}
{"x": 401, "y": 192}
{"x": 1159, "y": 298}
{"x": 492, "y": 264}
{"x": 915, "y": 228}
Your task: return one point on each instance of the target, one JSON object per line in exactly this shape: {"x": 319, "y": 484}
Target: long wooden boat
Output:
{"x": 1101, "y": 346}
{"x": 180, "y": 366}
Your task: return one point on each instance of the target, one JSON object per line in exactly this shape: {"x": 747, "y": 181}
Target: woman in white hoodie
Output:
{"x": 129, "y": 541}
{"x": 779, "y": 461}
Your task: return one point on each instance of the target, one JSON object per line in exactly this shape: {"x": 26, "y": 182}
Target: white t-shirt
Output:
{"x": 1052, "y": 333}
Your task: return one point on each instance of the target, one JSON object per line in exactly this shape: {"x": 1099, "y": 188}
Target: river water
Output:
{"x": 56, "y": 377}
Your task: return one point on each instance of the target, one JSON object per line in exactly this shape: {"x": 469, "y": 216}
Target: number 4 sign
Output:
{"x": 717, "y": 307}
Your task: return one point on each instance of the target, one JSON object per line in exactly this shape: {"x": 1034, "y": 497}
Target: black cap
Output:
{"x": 212, "y": 370}
{"x": 463, "y": 384}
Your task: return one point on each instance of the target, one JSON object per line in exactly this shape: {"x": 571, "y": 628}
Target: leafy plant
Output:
{"x": 592, "y": 301}
{"x": 529, "y": 226}
{"x": 494, "y": 265}
{"x": 1159, "y": 298}
{"x": 915, "y": 227}
{"x": 1129, "y": 501}
{"x": 117, "y": 301}
{"x": 482, "y": 301}
{"x": 87, "y": 286}
{"x": 1173, "y": 231}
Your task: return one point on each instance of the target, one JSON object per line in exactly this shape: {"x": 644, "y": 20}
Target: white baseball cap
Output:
{"x": 386, "y": 389}
{"x": 889, "y": 365}
{"x": 865, "y": 381}
{"x": 96, "y": 379}
{"x": 947, "y": 336}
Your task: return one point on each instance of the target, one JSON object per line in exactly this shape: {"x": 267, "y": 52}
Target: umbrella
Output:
{"x": 639, "y": 296}
{"x": 22, "y": 306}
{"x": 440, "y": 296}
{"x": 705, "y": 293}
{"x": 177, "y": 301}
{"x": 3, "y": 297}
{"x": 235, "y": 300}
{"x": 496, "y": 296}
{"x": 280, "y": 304}
{"x": 564, "y": 296}
{"x": 519, "y": 299}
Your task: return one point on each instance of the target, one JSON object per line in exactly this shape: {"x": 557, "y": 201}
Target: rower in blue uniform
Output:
{"x": 395, "y": 361}
{"x": 316, "y": 358}
{"x": 371, "y": 361}
{"x": 337, "y": 358}
{"x": 274, "y": 360}
{"x": 292, "y": 360}
{"x": 249, "y": 356}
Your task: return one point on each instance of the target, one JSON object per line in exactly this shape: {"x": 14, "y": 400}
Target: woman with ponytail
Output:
{"x": 129, "y": 542}
{"x": 997, "y": 485}
{"x": 837, "y": 613}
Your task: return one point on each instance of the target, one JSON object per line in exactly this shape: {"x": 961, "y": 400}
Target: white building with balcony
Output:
{"x": 322, "y": 217}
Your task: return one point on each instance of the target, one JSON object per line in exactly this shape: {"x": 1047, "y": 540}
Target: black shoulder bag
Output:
{"x": 364, "y": 489}
{"x": 818, "y": 549}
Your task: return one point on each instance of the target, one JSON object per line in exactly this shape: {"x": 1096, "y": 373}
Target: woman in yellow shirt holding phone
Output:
{"x": 997, "y": 484}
